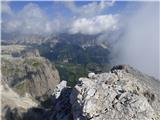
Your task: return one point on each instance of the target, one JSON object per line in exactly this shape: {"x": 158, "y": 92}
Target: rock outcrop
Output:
{"x": 118, "y": 95}
{"x": 13, "y": 106}
{"x": 26, "y": 71}
{"x": 122, "y": 94}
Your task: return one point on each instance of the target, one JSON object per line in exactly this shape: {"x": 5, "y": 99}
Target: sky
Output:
{"x": 52, "y": 17}
{"x": 132, "y": 28}
{"x": 51, "y": 7}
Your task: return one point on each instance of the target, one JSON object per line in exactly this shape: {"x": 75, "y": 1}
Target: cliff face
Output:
{"x": 26, "y": 78}
{"x": 27, "y": 72}
{"x": 13, "y": 106}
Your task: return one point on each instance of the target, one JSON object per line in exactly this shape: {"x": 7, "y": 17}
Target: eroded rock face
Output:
{"x": 27, "y": 80}
{"x": 118, "y": 95}
{"x": 13, "y": 106}
{"x": 28, "y": 72}
{"x": 59, "y": 88}
{"x": 36, "y": 76}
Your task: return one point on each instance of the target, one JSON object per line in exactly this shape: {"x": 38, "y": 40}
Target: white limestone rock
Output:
{"x": 59, "y": 88}
{"x": 91, "y": 75}
{"x": 117, "y": 95}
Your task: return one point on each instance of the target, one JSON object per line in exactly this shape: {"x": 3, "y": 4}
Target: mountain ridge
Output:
{"x": 122, "y": 93}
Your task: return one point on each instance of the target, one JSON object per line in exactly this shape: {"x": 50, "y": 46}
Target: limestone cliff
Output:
{"x": 13, "y": 106}
{"x": 26, "y": 71}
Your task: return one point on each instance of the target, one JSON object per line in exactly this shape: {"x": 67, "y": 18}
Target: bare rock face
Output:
{"x": 59, "y": 88}
{"x": 122, "y": 94}
{"x": 27, "y": 80}
{"x": 28, "y": 72}
{"x": 36, "y": 76}
{"x": 13, "y": 106}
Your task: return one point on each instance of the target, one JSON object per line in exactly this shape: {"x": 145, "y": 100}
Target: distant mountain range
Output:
{"x": 74, "y": 55}
{"x": 70, "y": 48}
{"x": 76, "y": 39}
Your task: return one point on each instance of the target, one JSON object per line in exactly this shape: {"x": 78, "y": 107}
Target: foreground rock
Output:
{"x": 121, "y": 94}
{"x": 14, "y": 106}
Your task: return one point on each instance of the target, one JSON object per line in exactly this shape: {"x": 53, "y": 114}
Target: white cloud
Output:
{"x": 6, "y": 8}
{"x": 89, "y": 9}
{"x": 31, "y": 19}
{"x": 95, "y": 25}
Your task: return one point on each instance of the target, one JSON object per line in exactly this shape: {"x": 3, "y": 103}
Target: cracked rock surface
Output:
{"x": 121, "y": 94}
{"x": 117, "y": 95}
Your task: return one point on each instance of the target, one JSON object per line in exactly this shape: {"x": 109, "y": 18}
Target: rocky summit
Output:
{"x": 121, "y": 94}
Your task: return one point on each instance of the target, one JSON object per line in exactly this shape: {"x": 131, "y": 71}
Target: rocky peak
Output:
{"x": 121, "y": 94}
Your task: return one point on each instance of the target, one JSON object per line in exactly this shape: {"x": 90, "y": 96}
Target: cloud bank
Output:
{"x": 139, "y": 46}
{"x": 85, "y": 20}
{"x": 30, "y": 20}
{"x": 5, "y": 8}
{"x": 94, "y": 25}
{"x": 90, "y": 9}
